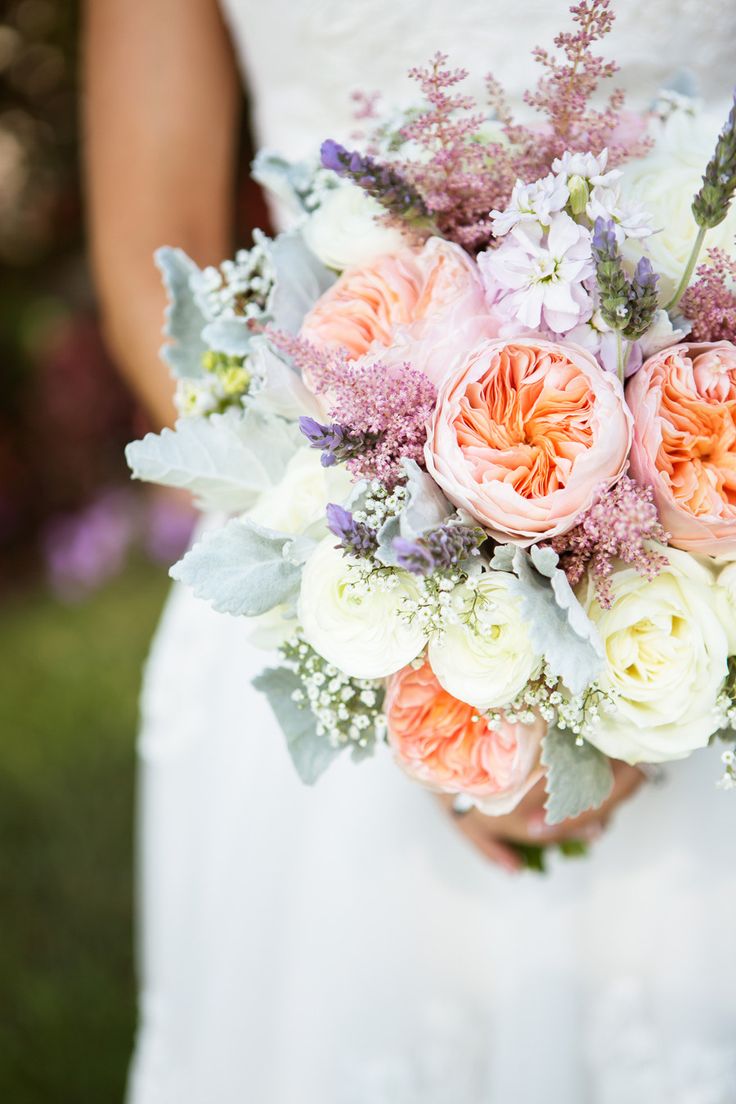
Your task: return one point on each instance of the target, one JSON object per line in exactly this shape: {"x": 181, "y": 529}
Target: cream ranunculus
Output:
{"x": 666, "y": 658}
{"x": 346, "y": 229}
{"x": 665, "y": 182}
{"x": 486, "y": 660}
{"x": 360, "y": 630}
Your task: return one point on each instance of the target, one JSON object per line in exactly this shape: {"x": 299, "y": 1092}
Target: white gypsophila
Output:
{"x": 346, "y": 229}
{"x": 664, "y": 182}
{"x": 356, "y": 624}
{"x": 535, "y": 202}
{"x": 666, "y": 650}
{"x": 238, "y": 288}
{"x": 535, "y": 277}
{"x": 485, "y": 657}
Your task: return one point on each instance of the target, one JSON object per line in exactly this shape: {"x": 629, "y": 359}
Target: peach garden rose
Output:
{"x": 684, "y": 404}
{"x": 421, "y": 294}
{"x": 443, "y": 743}
{"x": 525, "y": 433}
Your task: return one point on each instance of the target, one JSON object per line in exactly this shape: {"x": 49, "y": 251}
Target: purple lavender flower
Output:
{"x": 380, "y": 181}
{"x": 355, "y": 537}
{"x": 626, "y": 305}
{"x": 337, "y": 442}
{"x": 440, "y": 549}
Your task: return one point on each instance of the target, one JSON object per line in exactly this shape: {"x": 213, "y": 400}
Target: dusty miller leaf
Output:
{"x": 578, "y": 778}
{"x": 183, "y": 318}
{"x": 225, "y": 460}
{"x": 240, "y": 569}
{"x": 558, "y": 626}
{"x": 300, "y": 278}
{"x": 228, "y": 335}
{"x": 311, "y": 754}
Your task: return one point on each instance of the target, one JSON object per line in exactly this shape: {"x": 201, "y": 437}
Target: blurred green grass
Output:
{"x": 69, "y": 681}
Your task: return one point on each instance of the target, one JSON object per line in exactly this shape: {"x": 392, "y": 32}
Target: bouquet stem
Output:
{"x": 689, "y": 269}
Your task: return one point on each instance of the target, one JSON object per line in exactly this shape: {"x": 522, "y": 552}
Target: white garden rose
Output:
{"x": 666, "y": 653}
{"x": 488, "y": 659}
{"x": 665, "y": 182}
{"x": 346, "y": 229}
{"x": 296, "y": 504}
{"x": 364, "y": 634}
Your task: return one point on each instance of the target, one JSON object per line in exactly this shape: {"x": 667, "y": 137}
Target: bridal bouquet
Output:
{"x": 470, "y": 427}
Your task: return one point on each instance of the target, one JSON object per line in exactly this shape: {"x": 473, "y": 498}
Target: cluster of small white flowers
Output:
{"x": 347, "y": 710}
{"x": 547, "y": 698}
{"x": 322, "y": 182}
{"x": 238, "y": 288}
{"x": 443, "y": 599}
{"x": 226, "y": 382}
{"x": 378, "y": 504}
{"x": 727, "y": 781}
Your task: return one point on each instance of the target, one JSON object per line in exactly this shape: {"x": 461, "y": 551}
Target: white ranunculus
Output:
{"x": 727, "y": 608}
{"x": 666, "y": 657}
{"x": 364, "y": 634}
{"x": 665, "y": 182}
{"x": 346, "y": 229}
{"x": 296, "y": 504}
{"x": 488, "y": 660}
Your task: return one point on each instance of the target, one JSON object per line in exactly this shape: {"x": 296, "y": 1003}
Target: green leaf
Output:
{"x": 311, "y": 754}
{"x": 578, "y": 778}
{"x": 183, "y": 319}
{"x": 241, "y": 569}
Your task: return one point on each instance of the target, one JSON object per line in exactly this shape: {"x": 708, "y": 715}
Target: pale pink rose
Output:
{"x": 427, "y": 300}
{"x": 684, "y": 404}
{"x": 443, "y": 743}
{"x": 524, "y": 435}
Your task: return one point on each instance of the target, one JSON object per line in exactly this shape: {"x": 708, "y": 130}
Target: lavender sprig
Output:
{"x": 338, "y": 443}
{"x": 440, "y": 549}
{"x": 627, "y": 305}
{"x": 380, "y": 181}
{"x": 355, "y": 537}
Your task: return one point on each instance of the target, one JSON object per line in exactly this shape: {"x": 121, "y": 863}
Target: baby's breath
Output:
{"x": 348, "y": 711}
{"x": 238, "y": 288}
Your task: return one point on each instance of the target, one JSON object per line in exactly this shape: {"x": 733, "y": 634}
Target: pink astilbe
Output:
{"x": 385, "y": 407}
{"x": 563, "y": 96}
{"x": 461, "y": 179}
{"x": 710, "y": 304}
{"x": 618, "y": 526}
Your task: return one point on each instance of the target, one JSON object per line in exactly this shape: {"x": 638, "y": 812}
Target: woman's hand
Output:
{"x": 526, "y": 824}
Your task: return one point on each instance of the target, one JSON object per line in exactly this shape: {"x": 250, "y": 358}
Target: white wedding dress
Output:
{"x": 344, "y": 944}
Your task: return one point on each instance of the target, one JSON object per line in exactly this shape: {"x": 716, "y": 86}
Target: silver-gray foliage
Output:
{"x": 578, "y": 777}
{"x": 310, "y": 753}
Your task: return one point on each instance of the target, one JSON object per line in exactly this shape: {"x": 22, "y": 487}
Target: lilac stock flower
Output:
{"x": 355, "y": 537}
{"x": 441, "y": 549}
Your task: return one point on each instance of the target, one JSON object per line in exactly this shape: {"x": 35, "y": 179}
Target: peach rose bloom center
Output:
{"x": 684, "y": 405}
{"x": 445, "y": 744}
{"x": 524, "y": 435}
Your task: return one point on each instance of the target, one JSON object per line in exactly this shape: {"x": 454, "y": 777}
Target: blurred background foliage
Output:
{"x": 82, "y": 580}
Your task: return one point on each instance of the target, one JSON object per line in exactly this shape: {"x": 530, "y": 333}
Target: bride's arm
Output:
{"x": 160, "y": 111}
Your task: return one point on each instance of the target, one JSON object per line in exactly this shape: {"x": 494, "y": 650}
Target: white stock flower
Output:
{"x": 360, "y": 629}
{"x": 666, "y": 657}
{"x": 630, "y": 220}
{"x": 591, "y": 167}
{"x": 536, "y": 278}
{"x": 660, "y": 335}
{"x": 535, "y": 202}
{"x": 665, "y": 182}
{"x": 488, "y": 659}
{"x": 346, "y": 229}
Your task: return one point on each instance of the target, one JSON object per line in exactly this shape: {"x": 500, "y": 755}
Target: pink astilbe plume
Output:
{"x": 379, "y": 412}
{"x": 563, "y": 96}
{"x": 710, "y": 304}
{"x": 461, "y": 179}
{"x": 618, "y": 526}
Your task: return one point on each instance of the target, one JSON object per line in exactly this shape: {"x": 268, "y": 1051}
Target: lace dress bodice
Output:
{"x": 302, "y": 58}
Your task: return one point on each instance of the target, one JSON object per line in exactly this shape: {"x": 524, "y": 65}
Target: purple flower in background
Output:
{"x": 167, "y": 527}
{"x": 441, "y": 549}
{"x": 355, "y": 537}
{"x": 86, "y": 549}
